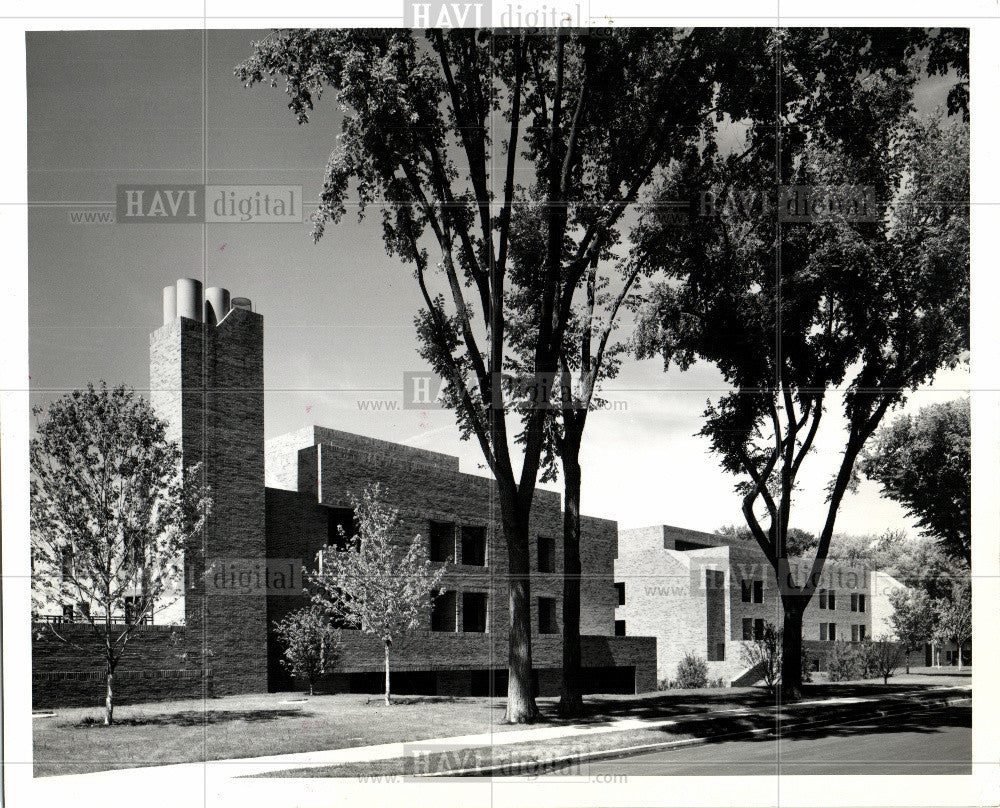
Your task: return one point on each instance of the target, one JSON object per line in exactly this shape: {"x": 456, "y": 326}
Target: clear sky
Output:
{"x": 109, "y": 108}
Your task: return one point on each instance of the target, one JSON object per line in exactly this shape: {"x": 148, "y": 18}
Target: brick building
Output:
{"x": 704, "y": 594}
{"x": 276, "y": 504}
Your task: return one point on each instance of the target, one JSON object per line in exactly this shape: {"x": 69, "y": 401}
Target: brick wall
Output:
{"x": 160, "y": 662}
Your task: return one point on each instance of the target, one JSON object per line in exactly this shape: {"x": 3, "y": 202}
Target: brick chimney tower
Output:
{"x": 206, "y": 375}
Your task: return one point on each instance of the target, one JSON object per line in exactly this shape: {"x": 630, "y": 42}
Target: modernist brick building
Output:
{"x": 275, "y": 506}
{"x": 705, "y": 594}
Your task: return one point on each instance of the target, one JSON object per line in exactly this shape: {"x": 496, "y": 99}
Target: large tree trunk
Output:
{"x": 521, "y": 707}
{"x": 791, "y": 648}
{"x": 571, "y": 699}
{"x": 388, "y": 699}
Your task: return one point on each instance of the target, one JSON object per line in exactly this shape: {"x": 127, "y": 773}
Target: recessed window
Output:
{"x": 66, "y": 562}
{"x": 620, "y": 589}
{"x": 758, "y": 591}
{"x": 831, "y": 599}
{"x": 547, "y": 616}
{"x": 474, "y": 612}
{"x": 747, "y": 628}
{"x": 746, "y": 591}
{"x": 828, "y": 632}
{"x": 444, "y": 612}
{"x": 861, "y": 602}
{"x": 854, "y": 601}
{"x": 758, "y": 629}
{"x": 546, "y": 554}
{"x": 474, "y": 545}
{"x": 822, "y": 598}
{"x": 442, "y": 541}
{"x": 67, "y": 612}
{"x": 132, "y": 606}
{"x": 619, "y": 628}
{"x": 340, "y": 527}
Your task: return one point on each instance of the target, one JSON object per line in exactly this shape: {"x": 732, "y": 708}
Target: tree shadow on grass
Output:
{"x": 193, "y": 718}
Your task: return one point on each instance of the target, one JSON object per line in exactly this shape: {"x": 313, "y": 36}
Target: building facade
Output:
{"x": 705, "y": 594}
{"x": 275, "y": 505}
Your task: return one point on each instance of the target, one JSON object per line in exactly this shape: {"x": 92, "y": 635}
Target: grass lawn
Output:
{"x": 74, "y": 740}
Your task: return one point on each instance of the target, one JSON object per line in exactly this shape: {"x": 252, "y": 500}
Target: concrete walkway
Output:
{"x": 213, "y": 770}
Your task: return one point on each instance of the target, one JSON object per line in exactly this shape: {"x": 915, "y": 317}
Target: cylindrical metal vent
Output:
{"x": 189, "y": 299}
{"x": 216, "y": 304}
{"x": 242, "y": 303}
{"x": 169, "y": 304}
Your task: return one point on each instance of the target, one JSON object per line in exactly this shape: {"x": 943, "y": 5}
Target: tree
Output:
{"x": 588, "y": 118}
{"x": 871, "y": 305}
{"x": 924, "y": 463}
{"x": 312, "y": 644}
{"x": 912, "y": 620}
{"x": 112, "y": 515}
{"x": 800, "y": 542}
{"x": 954, "y": 617}
{"x": 374, "y": 583}
{"x": 883, "y": 657}
{"x": 764, "y": 653}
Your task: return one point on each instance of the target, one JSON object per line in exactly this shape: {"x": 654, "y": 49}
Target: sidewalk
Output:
{"x": 700, "y": 727}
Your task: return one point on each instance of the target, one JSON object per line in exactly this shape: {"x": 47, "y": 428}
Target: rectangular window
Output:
{"x": 620, "y": 589}
{"x": 824, "y": 632}
{"x": 717, "y": 652}
{"x": 758, "y": 591}
{"x": 474, "y": 545}
{"x": 66, "y": 562}
{"x": 758, "y": 629}
{"x": 861, "y": 633}
{"x": 474, "y": 612}
{"x": 340, "y": 527}
{"x": 442, "y": 542}
{"x": 822, "y": 598}
{"x": 444, "y": 612}
{"x": 619, "y": 628}
{"x": 832, "y": 599}
{"x": 854, "y": 633}
{"x": 861, "y": 602}
{"x": 833, "y": 632}
{"x": 747, "y": 628}
{"x": 746, "y": 590}
{"x": 854, "y": 601}
{"x": 546, "y": 554}
{"x": 547, "y": 616}
{"x": 68, "y": 613}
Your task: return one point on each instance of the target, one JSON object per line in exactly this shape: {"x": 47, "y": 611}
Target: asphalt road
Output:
{"x": 931, "y": 741}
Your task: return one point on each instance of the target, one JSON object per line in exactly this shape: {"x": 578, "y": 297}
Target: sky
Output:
{"x": 110, "y": 108}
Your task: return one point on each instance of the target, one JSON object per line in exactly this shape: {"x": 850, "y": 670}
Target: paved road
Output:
{"x": 933, "y": 741}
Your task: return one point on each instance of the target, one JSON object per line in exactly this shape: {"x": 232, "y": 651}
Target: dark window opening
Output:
{"x": 444, "y": 612}
{"x": 474, "y": 546}
{"x": 758, "y": 591}
{"x": 747, "y": 628}
{"x": 822, "y": 598}
{"x": 861, "y": 602}
{"x": 133, "y": 604}
{"x": 340, "y": 527}
{"x": 442, "y": 541}
{"x": 620, "y": 589}
{"x": 746, "y": 590}
{"x": 758, "y": 629}
{"x": 67, "y": 613}
{"x": 66, "y": 562}
{"x": 474, "y": 611}
{"x": 854, "y": 601}
{"x": 832, "y": 599}
{"x": 619, "y": 628}
{"x": 546, "y": 554}
{"x": 547, "y": 623}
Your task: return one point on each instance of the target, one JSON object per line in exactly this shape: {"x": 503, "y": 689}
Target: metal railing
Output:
{"x": 60, "y": 619}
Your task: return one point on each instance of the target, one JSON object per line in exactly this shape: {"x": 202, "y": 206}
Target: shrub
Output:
{"x": 765, "y": 653}
{"x": 844, "y": 664}
{"x": 884, "y": 657}
{"x": 692, "y": 671}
